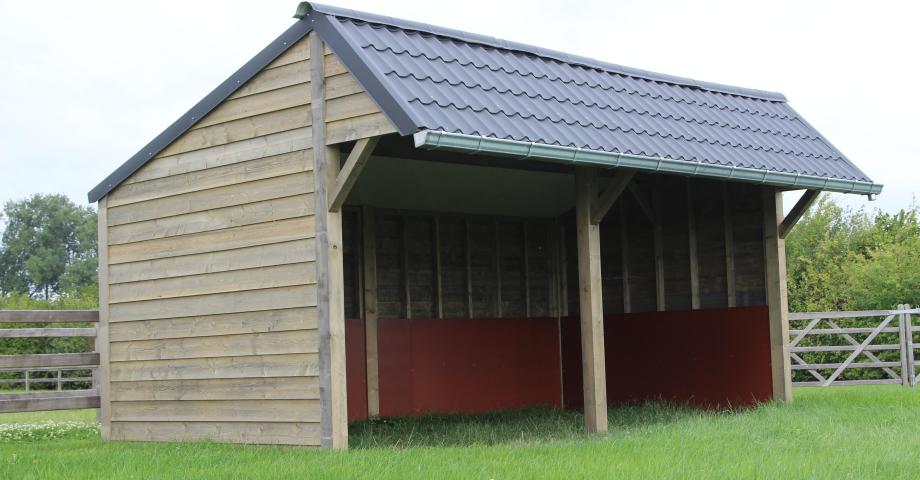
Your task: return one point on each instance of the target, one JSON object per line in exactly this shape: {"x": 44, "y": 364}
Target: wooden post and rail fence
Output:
{"x": 57, "y": 399}
{"x": 822, "y": 345}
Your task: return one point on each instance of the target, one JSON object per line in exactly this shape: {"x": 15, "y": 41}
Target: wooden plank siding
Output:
{"x": 211, "y": 276}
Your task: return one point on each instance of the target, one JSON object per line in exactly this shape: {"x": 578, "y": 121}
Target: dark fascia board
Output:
{"x": 306, "y": 9}
{"x": 268, "y": 54}
{"x": 327, "y": 29}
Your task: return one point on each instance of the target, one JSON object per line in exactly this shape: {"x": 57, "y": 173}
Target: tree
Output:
{"x": 49, "y": 245}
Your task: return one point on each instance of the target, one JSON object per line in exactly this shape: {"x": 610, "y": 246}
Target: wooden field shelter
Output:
{"x": 375, "y": 217}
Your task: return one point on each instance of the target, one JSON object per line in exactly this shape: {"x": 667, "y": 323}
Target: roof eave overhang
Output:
{"x": 440, "y": 140}
{"x": 292, "y": 35}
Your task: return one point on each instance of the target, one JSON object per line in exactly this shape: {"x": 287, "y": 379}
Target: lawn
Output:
{"x": 836, "y": 433}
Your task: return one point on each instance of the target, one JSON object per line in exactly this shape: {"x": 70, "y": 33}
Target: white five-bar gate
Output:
{"x": 879, "y": 343}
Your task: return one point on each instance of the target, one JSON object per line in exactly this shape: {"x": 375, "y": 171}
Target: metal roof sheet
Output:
{"x": 425, "y": 77}
{"x": 440, "y": 79}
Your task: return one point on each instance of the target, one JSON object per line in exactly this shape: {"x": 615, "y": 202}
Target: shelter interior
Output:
{"x": 473, "y": 262}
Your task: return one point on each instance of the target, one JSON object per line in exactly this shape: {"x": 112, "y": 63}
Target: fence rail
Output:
{"x": 58, "y": 399}
{"x": 854, "y": 347}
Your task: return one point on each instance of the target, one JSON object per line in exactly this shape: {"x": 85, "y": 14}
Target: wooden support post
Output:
{"x": 730, "y": 285}
{"x": 101, "y": 374}
{"x": 660, "y": 298}
{"x": 590, "y": 301}
{"x": 26, "y": 375}
{"x": 330, "y": 294}
{"x": 909, "y": 345}
{"x": 369, "y": 266}
{"x": 775, "y": 269}
{"x": 797, "y": 211}
{"x": 624, "y": 259}
{"x": 903, "y": 332}
{"x": 694, "y": 260}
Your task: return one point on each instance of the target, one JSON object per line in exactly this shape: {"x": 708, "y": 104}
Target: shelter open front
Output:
{"x": 473, "y": 289}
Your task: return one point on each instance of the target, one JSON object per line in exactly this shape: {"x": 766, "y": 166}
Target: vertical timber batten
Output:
{"x": 775, "y": 270}
{"x": 590, "y": 301}
{"x": 102, "y": 333}
{"x": 369, "y": 265}
{"x": 329, "y": 274}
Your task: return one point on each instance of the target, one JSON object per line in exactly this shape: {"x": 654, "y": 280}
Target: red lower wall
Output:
{"x": 467, "y": 365}
{"x": 355, "y": 369}
{"x": 705, "y": 357}
{"x": 708, "y": 358}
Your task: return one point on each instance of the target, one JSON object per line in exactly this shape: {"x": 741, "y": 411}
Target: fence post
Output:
{"x": 909, "y": 346}
{"x": 903, "y": 334}
{"x": 27, "y": 380}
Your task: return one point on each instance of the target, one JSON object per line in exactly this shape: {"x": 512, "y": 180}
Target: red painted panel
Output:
{"x": 355, "y": 369}
{"x": 467, "y": 365}
{"x": 710, "y": 358}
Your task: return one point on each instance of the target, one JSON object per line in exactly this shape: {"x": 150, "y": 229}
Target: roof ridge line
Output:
{"x": 305, "y": 8}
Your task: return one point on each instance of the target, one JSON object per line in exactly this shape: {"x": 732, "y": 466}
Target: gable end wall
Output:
{"x": 210, "y": 272}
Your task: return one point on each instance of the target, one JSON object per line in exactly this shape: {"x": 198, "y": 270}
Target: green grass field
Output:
{"x": 835, "y": 433}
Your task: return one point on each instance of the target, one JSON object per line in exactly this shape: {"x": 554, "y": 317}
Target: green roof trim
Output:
{"x": 438, "y": 140}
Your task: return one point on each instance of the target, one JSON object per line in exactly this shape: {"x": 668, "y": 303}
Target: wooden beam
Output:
{"x": 624, "y": 259}
{"x": 101, "y": 374}
{"x": 351, "y": 170}
{"x": 42, "y": 401}
{"x": 730, "y": 282}
{"x": 615, "y": 188}
{"x": 46, "y": 332}
{"x": 330, "y": 294}
{"x": 590, "y": 300}
{"x": 644, "y": 204}
{"x": 51, "y": 316}
{"x": 797, "y": 211}
{"x": 775, "y": 272}
{"x": 660, "y": 298}
{"x": 369, "y": 267}
{"x": 12, "y": 362}
{"x": 694, "y": 259}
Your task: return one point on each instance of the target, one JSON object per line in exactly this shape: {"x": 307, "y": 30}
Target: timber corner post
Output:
{"x": 101, "y": 376}
{"x": 330, "y": 283}
{"x": 777, "y": 300}
{"x": 590, "y": 299}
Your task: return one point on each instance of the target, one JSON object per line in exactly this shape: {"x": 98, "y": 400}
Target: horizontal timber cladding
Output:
{"x": 282, "y": 433}
{"x": 694, "y": 250}
{"x": 212, "y": 286}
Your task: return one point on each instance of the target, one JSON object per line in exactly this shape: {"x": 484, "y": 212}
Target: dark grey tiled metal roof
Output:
{"x": 434, "y": 78}
{"x": 427, "y": 77}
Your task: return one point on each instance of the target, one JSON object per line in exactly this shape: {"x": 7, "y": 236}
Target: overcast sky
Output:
{"x": 84, "y": 85}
